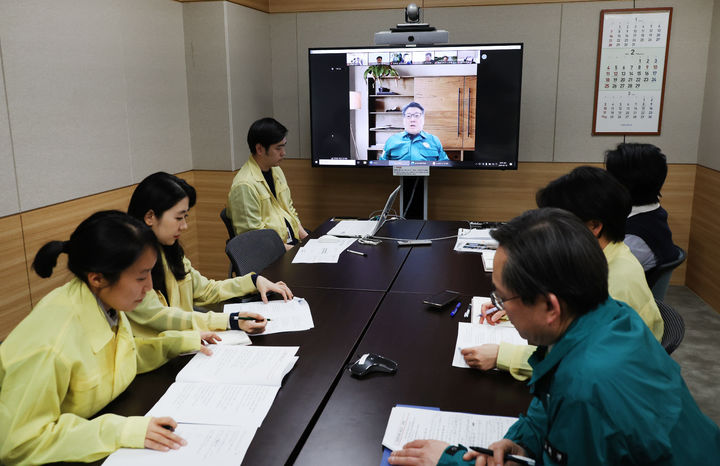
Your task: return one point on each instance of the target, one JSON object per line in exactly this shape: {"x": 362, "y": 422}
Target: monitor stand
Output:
{"x": 414, "y": 205}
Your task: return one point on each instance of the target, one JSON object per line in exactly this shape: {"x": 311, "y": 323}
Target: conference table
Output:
{"x": 364, "y": 304}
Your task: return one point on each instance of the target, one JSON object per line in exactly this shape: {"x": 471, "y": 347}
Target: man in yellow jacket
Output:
{"x": 259, "y": 197}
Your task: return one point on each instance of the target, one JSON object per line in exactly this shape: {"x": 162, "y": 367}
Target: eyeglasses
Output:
{"x": 413, "y": 116}
{"x": 499, "y": 302}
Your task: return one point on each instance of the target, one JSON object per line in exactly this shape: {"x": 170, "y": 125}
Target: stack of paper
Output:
{"x": 407, "y": 424}
{"x": 474, "y": 240}
{"x": 215, "y": 445}
{"x": 284, "y": 316}
{"x": 218, "y": 401}
{"x": 326, "y": 249}
{"x": 470, "y": 335}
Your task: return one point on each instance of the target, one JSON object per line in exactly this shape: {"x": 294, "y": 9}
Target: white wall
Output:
{"x": 96, "y": 95}
{"x": 709, "y": 153}
{"x": 558, "y": 73}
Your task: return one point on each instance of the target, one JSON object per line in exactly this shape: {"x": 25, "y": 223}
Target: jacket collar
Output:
{"x": 544, "y": 362}
{"x": 91, "y": 316}
{"x": 255, "y": 169}
{"x": 421, "y": 135}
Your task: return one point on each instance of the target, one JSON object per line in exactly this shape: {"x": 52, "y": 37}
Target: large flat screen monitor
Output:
{"x": 455, "y": 106}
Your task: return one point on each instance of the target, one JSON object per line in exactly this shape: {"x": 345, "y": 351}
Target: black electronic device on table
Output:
{"x": 371, "y": 362}
{"x": 441, "y": 299}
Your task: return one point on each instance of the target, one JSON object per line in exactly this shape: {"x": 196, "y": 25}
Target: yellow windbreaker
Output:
{"x": 156, "y": 314}
{"x": 251, "y": 205}
{"x": 626, "y": 282}
{"x": 61, "y": 365}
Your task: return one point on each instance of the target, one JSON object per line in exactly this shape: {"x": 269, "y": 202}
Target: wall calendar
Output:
{"x": 631, "y": 68}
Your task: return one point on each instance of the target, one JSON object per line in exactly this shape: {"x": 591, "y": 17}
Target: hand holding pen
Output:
{"x": 250, "y": 322}
{"x": 490, "y": 314}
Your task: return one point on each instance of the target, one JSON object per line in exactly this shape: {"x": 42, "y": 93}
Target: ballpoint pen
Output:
{"x": 454, "y": 311}
{"x": 249, "y": 318}
{"x": 516, "y": 458}
{"x": 356, "y": 252}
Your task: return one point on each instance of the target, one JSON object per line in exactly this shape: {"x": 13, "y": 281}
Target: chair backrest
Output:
{"x": 658, "y": 278}
{"x": 674, "y": 327}
{"x": 254, "y": 250}
{"x": 228, "y": 223}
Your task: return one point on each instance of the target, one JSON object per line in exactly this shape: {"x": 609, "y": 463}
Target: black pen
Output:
{"x": 168, "y": 427}
{"x": 249, "y": 318}
{"x": 516, "y": 458}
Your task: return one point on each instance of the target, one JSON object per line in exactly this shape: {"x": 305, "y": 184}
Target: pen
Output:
{"x": 516, "y": 458}
{"x": 249, "y": 318}
{"x": 356, "y": 252}
{"x": 454, "y": 311}
{"x": 168, "y": 427}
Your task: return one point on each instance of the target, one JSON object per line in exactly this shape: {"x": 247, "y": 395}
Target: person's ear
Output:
{"x": 553, "y": 310}
{"x": 96, "y": 280}
{"x": 150, "y": 218}
{"x": 595, "y": 227}
{"x": 259, "y": 149}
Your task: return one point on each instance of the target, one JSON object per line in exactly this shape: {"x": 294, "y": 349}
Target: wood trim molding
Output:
{"x": 306, "y": 6}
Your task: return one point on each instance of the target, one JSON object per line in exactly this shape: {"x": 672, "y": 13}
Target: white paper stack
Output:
{"x": 285, "y": 316}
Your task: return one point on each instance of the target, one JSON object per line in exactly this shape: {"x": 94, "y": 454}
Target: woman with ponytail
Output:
{"x": 162, "y": 202}
{"x": 75, "y": 352}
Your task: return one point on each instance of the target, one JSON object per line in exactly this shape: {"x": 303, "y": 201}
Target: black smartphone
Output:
{"x": 441, "y": 299}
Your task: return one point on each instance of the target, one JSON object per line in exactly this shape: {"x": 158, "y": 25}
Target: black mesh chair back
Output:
{"x": 254, "y": 250}
{"x": 228, "y": 223}
{"x": 658, "y": 278}
{"x": 674, "y": 327}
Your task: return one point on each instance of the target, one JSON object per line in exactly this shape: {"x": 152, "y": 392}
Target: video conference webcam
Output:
{"x": 412, "y": 31}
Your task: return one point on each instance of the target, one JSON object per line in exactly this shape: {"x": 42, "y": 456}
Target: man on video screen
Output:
{"x": 413, "y": 143}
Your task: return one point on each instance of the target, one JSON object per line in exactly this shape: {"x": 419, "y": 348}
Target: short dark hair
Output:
{"x": 107, "y": 242}
{"x": 266, "y": 132}
{"x": 159, "y": 192}
{"x": 412, "y": 105}
{"x": 641, "y": 168}
{"x": 591, "y": 193}
{"x": 551, "y": 251}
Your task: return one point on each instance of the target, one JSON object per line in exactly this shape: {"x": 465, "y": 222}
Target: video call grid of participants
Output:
{"x": 404, "y": 57}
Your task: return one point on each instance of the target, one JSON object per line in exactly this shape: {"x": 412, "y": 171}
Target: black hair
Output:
{"x": 266, "y": 132}
{"x": 411, "y": 105}
{"x": 641, "y": 168}
{"x": 551, "y": 251}
{"x": 591, "y": 193}
{"x": 158, "y": 193}
{"x": 107, "y": 242}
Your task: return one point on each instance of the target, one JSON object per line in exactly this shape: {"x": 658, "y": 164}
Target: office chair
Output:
{"x": 674, "y": 327}
{"x": 254, "y": 250}
{"x": 658, "y": 277}
{"x": 228, "y": 223}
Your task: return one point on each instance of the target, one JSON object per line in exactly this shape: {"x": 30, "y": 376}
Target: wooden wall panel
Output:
{"x": 212, "y": 188}
{"x": 14, "y": 287}
{"x": 704, "y": 255}
{"x": 57, "y": 222}
{"x": 262, "y": 5}
{"x": 320, "y": 193}
{"x": 293, "y": 6}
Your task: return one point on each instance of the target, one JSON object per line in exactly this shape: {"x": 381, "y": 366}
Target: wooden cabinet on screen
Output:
{"x": 449, "y": 103}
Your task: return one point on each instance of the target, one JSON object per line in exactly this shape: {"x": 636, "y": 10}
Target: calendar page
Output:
{"x": 632, "y": 59}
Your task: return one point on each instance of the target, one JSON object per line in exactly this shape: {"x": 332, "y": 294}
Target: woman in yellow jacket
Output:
{"x": 162, "y": 202}
{"x": 74, "y": 352}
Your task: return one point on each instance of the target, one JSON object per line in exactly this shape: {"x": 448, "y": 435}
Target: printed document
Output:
{"x": 475, "y": 335}
{"x": 474, "y": 240}
{"x": 219, "y": 404}
{"x": 233, "y": 337}
{"x": 240, "y": 365}
{"x": 212, "y": 445}
{"x": 285, "y": 316}
{"x": 326, "y": 249}
{"x": 408, "y": 424}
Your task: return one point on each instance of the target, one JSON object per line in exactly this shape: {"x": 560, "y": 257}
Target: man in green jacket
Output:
{"x": 605, "y": 391}
{"x": 259, "y": 197}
